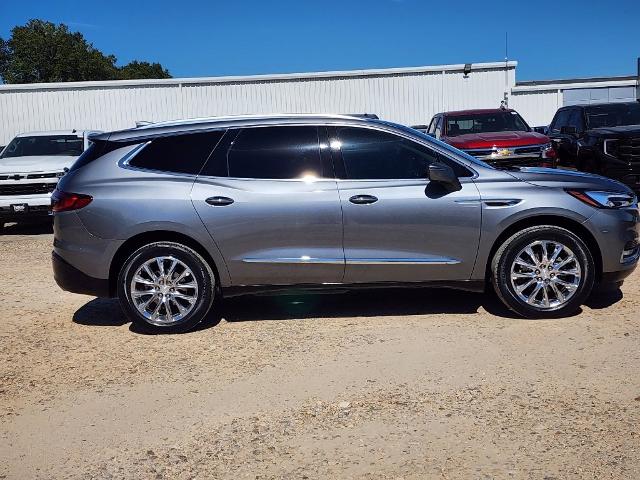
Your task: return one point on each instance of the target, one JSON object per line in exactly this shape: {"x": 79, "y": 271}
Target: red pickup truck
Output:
{"x": 498, "y": 136}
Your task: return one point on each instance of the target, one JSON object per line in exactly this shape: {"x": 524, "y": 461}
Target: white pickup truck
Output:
{"x": 30, "y": 167}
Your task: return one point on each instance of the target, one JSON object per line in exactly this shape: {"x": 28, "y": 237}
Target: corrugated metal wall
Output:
{"x": 537, "y": 107}
{"x": 409, "y": 96}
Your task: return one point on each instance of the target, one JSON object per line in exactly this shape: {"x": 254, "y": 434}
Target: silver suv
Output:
{"x": 170, "y": 217}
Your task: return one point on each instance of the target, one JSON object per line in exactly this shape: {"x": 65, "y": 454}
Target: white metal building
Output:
{"x": 406, "y": 95}
{"x": 537, "y": 101}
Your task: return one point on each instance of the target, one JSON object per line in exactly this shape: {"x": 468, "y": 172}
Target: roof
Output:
{"x": 211, "y": 123}
{"x": 337, "y": 74}
{"x": 573, "y": 83}
{"x": 456, "y": 113}
{"x": 79, "y": 133}
{"x": 575, "y": 80}
{"x": 602, "y": 104}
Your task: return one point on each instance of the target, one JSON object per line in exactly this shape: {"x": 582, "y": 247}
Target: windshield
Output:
{"x": 614, "y": 115}
{"x": 505, "y": 121}
{"x": 62, "y": 145}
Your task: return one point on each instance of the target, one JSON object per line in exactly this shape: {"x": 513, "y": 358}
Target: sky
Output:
{"x": 550, "y": 40}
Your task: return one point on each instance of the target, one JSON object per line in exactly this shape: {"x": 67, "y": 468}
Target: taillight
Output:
{"x": 66, "y": 201}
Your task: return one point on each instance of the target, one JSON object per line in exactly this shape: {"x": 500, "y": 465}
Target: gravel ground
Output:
{"x": 394, "y": 384}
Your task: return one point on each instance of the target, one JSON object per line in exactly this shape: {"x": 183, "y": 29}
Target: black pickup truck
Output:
{"x": 600, "y": 138}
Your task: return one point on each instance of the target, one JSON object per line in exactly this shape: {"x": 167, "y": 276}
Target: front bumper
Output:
{"x": 617, "y": 233}
{"x": 24, "y": 207}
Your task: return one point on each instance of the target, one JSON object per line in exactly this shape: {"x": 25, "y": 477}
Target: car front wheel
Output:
{"x": 543, "y": 271}
{"x": 166, "y": 287}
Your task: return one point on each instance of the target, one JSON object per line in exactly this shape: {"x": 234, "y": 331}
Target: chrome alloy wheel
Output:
{"x": 545, "y": 274}
{"x": 164, "y": 290}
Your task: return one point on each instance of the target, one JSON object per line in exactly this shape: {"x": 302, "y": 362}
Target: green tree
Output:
{"x": 136, "y": 69}
{"x": 42, "y": 51}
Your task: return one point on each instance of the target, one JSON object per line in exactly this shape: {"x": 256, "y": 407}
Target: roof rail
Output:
{"x": 372, "y": 116}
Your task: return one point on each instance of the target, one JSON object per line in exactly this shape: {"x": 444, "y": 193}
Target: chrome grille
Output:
{"x": 629, "y": 150}
{"x": 27, "y": 188}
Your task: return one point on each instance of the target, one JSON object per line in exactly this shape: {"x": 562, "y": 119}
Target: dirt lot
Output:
{"x": 386, "y": 384}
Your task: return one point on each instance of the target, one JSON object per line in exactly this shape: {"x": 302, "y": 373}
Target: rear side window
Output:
{"x": 88, "y": 156}
{"x": 97, "y": 149}
{"x": 276, "y": 153}
{"x": 185, "y": 153}
{"x": 371, "y": 155}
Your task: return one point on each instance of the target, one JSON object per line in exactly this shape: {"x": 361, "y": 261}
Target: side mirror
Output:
{"x": 569, "y": 130}
{"x": 542, "y": 130}
{"x": 445, "y": 176}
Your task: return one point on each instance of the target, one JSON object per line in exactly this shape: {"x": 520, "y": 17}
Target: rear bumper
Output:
{"x": 71, "y": 279}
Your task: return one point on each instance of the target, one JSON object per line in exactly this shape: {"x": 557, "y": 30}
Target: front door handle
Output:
{"x": 219, "y": 201}
{"x": 363, "y": 199}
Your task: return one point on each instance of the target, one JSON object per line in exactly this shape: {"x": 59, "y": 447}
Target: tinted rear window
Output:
{"x": 276, "y": 153}
{"x": 179, "y": 153}
{"x": 98, "y": 149}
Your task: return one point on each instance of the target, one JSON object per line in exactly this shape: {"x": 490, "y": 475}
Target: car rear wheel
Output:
{"x": 166, "y": 287}
{"x": 543, "y": 272}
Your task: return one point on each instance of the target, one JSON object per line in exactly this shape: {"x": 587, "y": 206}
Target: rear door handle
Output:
{"x": 363, "y": 199}
{"x": 219, "y": 201}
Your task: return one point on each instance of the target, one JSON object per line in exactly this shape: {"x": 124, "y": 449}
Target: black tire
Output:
{"x": 506, "y": 255}
{"x": 203, "y": 275}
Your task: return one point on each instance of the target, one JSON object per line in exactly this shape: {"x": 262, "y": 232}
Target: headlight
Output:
{"x": 547, "y": 152}
{"x": 611, "y": 147}
{"x": 603, "y": 199}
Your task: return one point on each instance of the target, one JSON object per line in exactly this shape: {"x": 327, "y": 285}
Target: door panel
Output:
{"x": 399, "y": 226}
{"x": 284, "y": 224}
{"x": 411, "y": 233}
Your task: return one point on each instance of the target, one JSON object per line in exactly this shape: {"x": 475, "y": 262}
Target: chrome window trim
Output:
{"x": 356, "y": 261}
{"x": 327, "y": 122}
{"x": 403, "y": 261}
{"x": 296, "y": 260}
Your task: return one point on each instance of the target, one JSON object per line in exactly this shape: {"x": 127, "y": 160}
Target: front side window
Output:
{"x": 276, "y": 153}
{"x": 575, "y": 120}
{"x": 49, "y": 145}
{"x": 472, "y": 123}
{"x": 432, "y": 125}
{"x": 438, "y": 129}
{"x": 372, "y": 154}
{"x": 184, "y": 153}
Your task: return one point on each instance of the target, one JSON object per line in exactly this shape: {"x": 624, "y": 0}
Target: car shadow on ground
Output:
{"x": 360, "y": 303}
{"x": 30, "y": 228}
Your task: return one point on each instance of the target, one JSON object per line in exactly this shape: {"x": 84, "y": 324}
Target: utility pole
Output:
{"x": 638, "y": 82}
{"x": 506, "y": 70}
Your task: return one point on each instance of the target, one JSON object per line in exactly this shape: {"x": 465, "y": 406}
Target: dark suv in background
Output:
{"x": 603, "y": 139}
